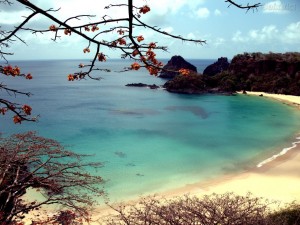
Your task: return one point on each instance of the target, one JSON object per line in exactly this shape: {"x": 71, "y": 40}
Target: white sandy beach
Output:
{"x": 275, "y": 180}
{"x": 289, "y": 99}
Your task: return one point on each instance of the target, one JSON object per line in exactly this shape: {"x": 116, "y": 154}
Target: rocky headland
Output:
{"x": 277, "y": 73}
{"x": 217, "y": 67}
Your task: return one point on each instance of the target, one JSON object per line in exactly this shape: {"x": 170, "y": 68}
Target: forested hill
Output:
{"x": 273, "y": 72}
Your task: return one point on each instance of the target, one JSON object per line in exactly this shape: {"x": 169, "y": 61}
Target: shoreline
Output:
{"x": 275, "y": 178}
{"x": 288, "y": 99}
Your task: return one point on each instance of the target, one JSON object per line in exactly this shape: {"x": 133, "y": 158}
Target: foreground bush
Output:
{"x": 215, "y": 209}
{"x": 289, "y": 215}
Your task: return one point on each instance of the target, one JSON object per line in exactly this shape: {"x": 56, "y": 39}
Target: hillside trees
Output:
{"x": 270, "y": 72}
{"x": 128, "y": 40}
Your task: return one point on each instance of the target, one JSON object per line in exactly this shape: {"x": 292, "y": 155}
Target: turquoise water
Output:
{"x": 151, "y": 140}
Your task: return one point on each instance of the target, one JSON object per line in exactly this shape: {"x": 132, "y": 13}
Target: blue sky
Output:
{"x": 274, "y": 27}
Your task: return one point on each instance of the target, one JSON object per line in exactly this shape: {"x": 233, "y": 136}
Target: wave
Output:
{"x": 283, "y": 152}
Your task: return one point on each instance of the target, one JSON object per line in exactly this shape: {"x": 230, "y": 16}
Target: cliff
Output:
{"x": 217, "y": 67}
{"x": 176, "y": 63}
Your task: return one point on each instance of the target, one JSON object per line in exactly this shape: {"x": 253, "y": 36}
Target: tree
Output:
{"x": 29, "y": 162}
{"x": 288, "y": 215}
{"x": 211, "y": 209}
{"x": 131, "y": 44}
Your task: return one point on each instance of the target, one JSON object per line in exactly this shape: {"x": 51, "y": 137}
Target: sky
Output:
{"x": 273, "y": 27}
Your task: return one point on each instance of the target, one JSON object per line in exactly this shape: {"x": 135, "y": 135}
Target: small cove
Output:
{"x": 152, "y": 140}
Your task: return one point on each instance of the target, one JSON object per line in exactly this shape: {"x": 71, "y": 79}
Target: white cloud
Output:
{"x": 168, "y": 29}
{"x": 291, "y": 34}
{"x": 276, "y": 7}
{"x": 172, "y": 6}
{"x": 237, "y": 37}
{"x": 202, "y": 13}
{"x": 70, "y": 8}
{"x": 12, "y": 18}
{"x": 267, "y": 33}
{"x": 219, "y": 41}
{"x": 288, "y": 35}
{"x": 217, "y": 12}
{"x": 191, "y": 36}
{"x": 91, "y": 7}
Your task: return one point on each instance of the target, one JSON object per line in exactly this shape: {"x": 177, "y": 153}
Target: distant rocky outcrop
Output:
{"x": 277, "y": 73}
{"x": 151, "y": 86}
{"x": 217, "y": 67}
{"x": 174, "y": 64}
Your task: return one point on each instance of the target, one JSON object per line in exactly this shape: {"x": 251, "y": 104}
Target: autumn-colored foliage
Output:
{"x": 135, "y": 66}
{"x": 21, "y": 112}
{"x": 101, "y": 57}
{"x": 184, "y": 72}
{"x": 131, "y": 44}
{"x": 28, "y": 161}
{"x": 145, "y": 9}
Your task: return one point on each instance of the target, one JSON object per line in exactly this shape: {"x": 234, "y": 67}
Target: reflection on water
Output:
{"x": 196, "y": 110}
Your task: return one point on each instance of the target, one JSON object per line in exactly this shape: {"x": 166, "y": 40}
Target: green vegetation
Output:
{"x": 273, "y": 73}
{"x": 192, "y": 84}
{"x": 288, "y": 56}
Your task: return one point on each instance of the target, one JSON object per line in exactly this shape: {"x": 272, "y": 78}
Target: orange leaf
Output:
{"x": 135, "y": 66}
{"x": 17, "y": 119}
{"x": 144, "y": 9}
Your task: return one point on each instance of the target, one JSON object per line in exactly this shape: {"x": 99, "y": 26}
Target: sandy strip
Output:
{"x": 289, "y": 99}
{"x": 277, "y": 178}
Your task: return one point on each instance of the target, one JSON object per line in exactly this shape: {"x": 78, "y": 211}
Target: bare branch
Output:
{"x": 248, "y": 6}
{"x": 29, "y": 161}
{"x": 18, "y": 27}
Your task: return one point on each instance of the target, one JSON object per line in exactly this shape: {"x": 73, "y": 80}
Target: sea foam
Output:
{"x": 283, "y": 152}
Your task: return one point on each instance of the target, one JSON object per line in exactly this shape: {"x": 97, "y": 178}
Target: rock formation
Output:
{"x": 151, "y": 86}
{"x": 277, "y": 73}
{"x": 174, "y": 64}
{"x": 217, "y": 67}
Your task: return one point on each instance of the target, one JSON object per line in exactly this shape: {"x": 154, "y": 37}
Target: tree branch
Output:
{"x": 248, "y": 6}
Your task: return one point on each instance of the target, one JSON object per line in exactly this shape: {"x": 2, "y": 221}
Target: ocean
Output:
{"x": 149, "y": 140}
